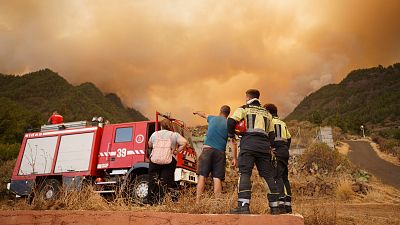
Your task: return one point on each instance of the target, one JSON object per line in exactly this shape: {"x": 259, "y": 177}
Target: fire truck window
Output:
{"x": 74, "y": 153}
{"x": 38, "y": 156}
{"x": 123, "y": 134}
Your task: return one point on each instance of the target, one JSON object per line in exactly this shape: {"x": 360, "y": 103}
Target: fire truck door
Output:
{"x": 121, "y": 146}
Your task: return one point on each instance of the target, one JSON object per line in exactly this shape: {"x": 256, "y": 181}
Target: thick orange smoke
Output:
{"x": 182, "y": 56}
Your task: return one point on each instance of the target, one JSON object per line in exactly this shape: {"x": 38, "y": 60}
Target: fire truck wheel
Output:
{"x": 50, "y": 189}
{"x": 140, "y": 187}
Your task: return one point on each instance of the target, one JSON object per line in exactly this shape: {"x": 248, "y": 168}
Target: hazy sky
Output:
{"x": 181, "y": 56}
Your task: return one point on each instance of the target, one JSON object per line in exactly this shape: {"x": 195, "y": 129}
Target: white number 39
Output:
{"x": 121, "y": 152}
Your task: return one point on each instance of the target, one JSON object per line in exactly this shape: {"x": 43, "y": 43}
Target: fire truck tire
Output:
{"x": 139, "y": 187}
{"x": 50, "y": 189}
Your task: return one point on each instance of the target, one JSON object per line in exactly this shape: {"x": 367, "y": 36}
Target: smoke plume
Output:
{"x": 180, "y": 56}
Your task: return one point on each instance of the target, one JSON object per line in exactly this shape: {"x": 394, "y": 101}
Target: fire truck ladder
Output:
{"x": 60, "y": 126}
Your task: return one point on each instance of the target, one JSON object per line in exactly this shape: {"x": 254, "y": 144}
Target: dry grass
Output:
{"x": 379, "y": 193}
{"x": 209, "y": 204}
{"x": 318, "y": 211}
{"x": 85, "y": 199}
{"x": 344, "y": 191}
{"x": 343, "y": 148}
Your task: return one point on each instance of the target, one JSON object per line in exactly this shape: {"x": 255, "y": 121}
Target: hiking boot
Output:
{"x": 243, "y": 208}
{"x": 288, "y": 209}
{"x": 282, "y": 208}
{"x": 275, "y": 211}
{"x": 288, "y": 204}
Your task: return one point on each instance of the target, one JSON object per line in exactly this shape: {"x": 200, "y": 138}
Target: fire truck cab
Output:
{"x": 109, "y": 156}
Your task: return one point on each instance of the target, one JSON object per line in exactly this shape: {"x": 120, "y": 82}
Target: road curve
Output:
{"x": 363, "y": 155}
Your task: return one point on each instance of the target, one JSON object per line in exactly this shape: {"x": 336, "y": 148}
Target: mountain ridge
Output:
{"x": 364, "y": 96}
{"x": 28, "y": 100}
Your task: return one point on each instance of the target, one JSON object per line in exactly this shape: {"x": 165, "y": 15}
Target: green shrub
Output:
{"x": 9, "y": 151}
{"x": 6, "y": 169}
{"x": 396, "y": 134}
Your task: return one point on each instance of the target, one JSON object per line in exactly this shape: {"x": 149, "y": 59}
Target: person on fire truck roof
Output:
{"x": 55, "y": 118}
{"x": 255, "y": 148}
{"x": 212, "y": 159}
{"x": 164, "y": 172}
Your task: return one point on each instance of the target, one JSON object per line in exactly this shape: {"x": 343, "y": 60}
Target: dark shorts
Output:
{"x": 212, "y": 161}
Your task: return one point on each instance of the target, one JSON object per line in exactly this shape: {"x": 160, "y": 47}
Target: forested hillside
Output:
{"x": 366, "y": 96}
{"x": 28, "y": 100}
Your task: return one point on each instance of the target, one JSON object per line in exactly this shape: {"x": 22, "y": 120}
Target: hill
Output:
{"x": 366, "y": 96}
{"x": 28, "y": 100}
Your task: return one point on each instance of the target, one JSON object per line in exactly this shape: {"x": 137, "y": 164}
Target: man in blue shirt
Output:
{"x": 212, "y": 159}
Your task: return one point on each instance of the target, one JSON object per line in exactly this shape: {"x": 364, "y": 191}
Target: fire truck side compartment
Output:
{"x": 63, "y": 154}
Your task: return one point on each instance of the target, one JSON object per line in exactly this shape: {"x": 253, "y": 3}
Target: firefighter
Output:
{"x": 255, "y": 148}
{"x": 212, "y": 159}
{"x": 161, "y": 176}
{"x": 55, "y": 118}
{"x": 281, "y": 144}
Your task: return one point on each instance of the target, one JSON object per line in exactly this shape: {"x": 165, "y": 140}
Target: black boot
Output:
{"x": 243, "y": 208}
{"x": 281, "y": 206}
{"x": 275, "y": 211}
{"x": 274, "y": 203}
{"x": 288, "y": 204}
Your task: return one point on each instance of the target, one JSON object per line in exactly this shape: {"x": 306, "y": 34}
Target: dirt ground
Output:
{"x": 371, "y": 213}
{"x": 349, "y": 213}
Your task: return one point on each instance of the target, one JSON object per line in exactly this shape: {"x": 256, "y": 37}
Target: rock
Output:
{"x": 356, "y": 187}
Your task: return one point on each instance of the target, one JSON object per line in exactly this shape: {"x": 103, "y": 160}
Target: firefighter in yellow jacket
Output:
{"x": 255, "y": 149}
{"x": 281, "y": 144}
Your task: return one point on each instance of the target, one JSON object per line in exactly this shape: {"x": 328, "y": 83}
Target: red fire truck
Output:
{"x": 110, "y": 156}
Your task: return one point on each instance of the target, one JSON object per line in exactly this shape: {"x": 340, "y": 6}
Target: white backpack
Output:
{"x": 162, "y": 152}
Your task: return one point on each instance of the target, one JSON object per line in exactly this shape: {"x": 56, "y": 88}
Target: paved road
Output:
{"x": 364, "y": 156}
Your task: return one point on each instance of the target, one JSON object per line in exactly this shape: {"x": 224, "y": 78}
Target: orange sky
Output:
{"x": 181, "y": 56}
